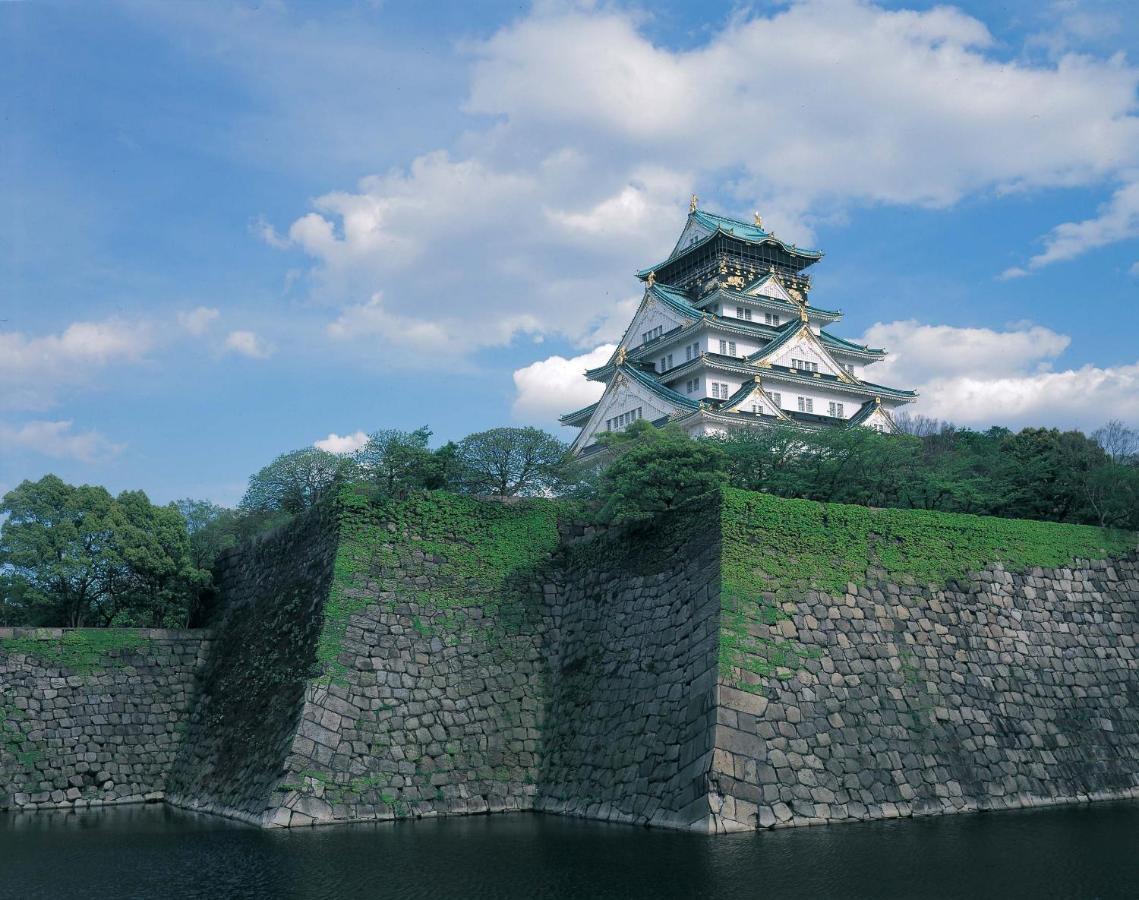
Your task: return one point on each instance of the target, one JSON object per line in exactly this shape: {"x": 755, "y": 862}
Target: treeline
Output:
{"x": 1036, "y": 473}
{"x": 76, "y": 556}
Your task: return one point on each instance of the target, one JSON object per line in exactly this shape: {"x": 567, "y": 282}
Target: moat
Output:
{"x": 156, "y": 851}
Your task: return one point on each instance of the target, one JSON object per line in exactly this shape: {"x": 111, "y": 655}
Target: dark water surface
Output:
{"x": 154, "y": 851}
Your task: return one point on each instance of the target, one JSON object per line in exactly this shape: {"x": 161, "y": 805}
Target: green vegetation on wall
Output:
{"x": 775, "y": 549}
{"x": 473, "y": 551}
{"x": 81, "y": 651}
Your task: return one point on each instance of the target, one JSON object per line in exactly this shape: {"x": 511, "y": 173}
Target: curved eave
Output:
{"x": 844, "y": 346}
{"x": 727, "y": 294}
{"x": 578, "y": 417}
{"x": 856, "y": 386}
{"x": 811, "y": 256}
{"x": 662, "y": 391}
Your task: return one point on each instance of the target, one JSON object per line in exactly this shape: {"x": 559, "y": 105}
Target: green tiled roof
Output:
{"x": 843, "y": 344}
{"x": 661, "y": 390}
{"x": 578, "y": 414}
{"x": 752, "y": 234}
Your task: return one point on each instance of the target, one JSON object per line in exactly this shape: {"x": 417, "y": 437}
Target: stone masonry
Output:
{"x": 1007, "y": 691}
{"x": 594, "y": 685}
{"x": 103, "y": 736}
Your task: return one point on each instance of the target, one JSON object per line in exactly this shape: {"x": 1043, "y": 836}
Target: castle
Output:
{"x": 726, "y": 338}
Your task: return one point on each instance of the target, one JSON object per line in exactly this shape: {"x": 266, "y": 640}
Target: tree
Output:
{"x": 1118, "y": 441}
{"x": 657, "y": 469}
{"x": 155, "y": 579}
{"x": 294, "y": 481}
{"x": 212, "y": 529}
{"x": 76, "y": 556}
{"x": 397, "y": 461}
{"x": 58, "y": 546}
{"x": 511, "y": 462}
{"x": 1044, "y": 474}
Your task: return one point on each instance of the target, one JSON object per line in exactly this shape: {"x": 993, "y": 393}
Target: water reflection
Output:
{"x": 155, "y": 851}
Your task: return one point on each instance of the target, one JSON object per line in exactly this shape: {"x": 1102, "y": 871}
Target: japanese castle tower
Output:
{"x": 726, "y": 338}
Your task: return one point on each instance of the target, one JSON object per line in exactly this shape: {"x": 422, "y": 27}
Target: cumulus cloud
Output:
{"x": 599, "y": 134}
{"x": 980, "y": 377}
{"x": 342, "y": 443}
{"x": 197, "y": 321}
{"x": 34, "y": 369}
{"x": 248, "y": 343}
{"x": 57, "y": 440}
{"x": 556, "y": 385}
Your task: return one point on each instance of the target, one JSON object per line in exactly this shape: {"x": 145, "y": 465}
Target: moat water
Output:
{"x": 157, "y": 852}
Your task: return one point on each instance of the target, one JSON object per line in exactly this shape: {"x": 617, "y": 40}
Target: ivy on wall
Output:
{"x": 446, "y": 553}
{"x": 81, "y": 651}
{"x": 775, "y": 549}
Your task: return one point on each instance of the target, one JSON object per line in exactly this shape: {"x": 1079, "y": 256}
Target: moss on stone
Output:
{"x": 82, "y": 650}
{"x": 775, "y": 549}
{"x": 477, "y": 554}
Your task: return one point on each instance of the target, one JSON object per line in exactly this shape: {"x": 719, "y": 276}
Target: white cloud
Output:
{"x": 1117, "y": 220}
{"x": 980, "y": 377}
{"x": 556, "y": 385}
{"x": 342, "y": 444}
{"x": 533, "y": 224}
{"x": 57, "y": 440}
{"x": 918, "y": 352}
{"x": 33, "y": 369}
{"x": 197, "y": 321}
{"x": 264, "y": 230}
{"x": 247, "y": 343}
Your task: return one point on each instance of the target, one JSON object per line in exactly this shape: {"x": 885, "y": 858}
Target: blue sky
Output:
{"x": 234, "y": 229}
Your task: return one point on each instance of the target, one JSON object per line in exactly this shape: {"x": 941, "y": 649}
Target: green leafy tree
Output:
{"x": 656, "y": 469}
{"x": 155, "y": 578}
{"x": 397, "y": 461}
{"x": 512, "y": 462}
{"x": 212, "y": 529}
{"x": 76, "y": 556}
{"x": 294, "y": 481}
{"x": 57, "y": 544}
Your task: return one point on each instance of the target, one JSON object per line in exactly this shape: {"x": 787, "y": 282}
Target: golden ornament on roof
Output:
{"x": 652, "y": 278}
{"x": 758, "y": 220}
{"x": 692, "y": 203}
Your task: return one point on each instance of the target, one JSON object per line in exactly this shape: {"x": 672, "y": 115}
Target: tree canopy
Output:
{"x": 78, "y": 556}
{"x": 512, "y": 462}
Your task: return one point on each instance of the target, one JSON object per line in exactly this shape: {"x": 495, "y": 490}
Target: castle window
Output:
{"x": 806, "y": 404}
{"x": 692, "y": 351}
{"x": 666, "y": 363}
{"x": 719, "y": 390}
{"x": 727, "y": 348}
{"x": 652, "y": 334}
{"x": 777, "y": 399}
{"x": 742, "y": 312}
{"x": 691, "y": 385}
{"x": 770, "y": 319}
{"x": 835, "y": 410}
{"x": 804, "y": 365}
{"x": 624, "y": 419}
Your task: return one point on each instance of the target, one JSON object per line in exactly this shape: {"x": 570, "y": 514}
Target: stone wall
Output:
{"x": 253, "y": 684}
{"x": 91, "y": 717}
{"x": 632, "y": 657}
{"x": 999, "y": 691}
{"x": 443, "y": 655}
{"x": 433, "y": 692}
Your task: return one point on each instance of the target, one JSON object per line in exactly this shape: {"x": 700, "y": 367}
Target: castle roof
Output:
{"x": 742, "y": 231}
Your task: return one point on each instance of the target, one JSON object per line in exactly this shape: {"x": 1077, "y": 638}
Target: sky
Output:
{"x": 233, "y": 229}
